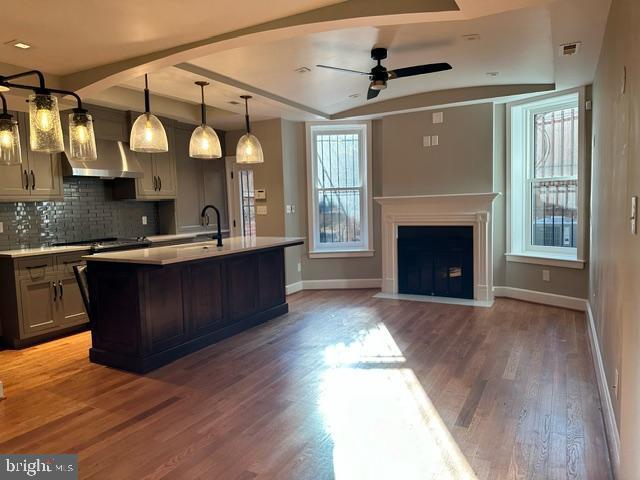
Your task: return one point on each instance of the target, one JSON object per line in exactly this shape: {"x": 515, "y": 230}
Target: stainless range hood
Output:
{"x": 115, "y": 160}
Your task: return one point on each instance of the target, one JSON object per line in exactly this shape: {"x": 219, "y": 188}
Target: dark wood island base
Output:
{"x": 144, "y": 316}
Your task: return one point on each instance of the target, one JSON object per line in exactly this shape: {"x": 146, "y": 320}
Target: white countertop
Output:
{"x": 30, "y": 252}
{"x": 181, "y": 236}
{"x": 193, "y": 251}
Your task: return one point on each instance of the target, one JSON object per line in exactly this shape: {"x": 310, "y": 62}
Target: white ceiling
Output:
{"x": 72, "y": 35}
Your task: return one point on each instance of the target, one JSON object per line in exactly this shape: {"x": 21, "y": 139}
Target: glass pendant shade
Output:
{"x": 205, "y": 143}
{"x": 10, "y": 153}
{"x": 82, "y": 141}
{"x": 45, "y": 129}
{"x": 249, "y": 150}
{"x": 148, "y": 135}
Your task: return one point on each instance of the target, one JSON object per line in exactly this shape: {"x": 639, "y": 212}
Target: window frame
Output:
{"x": 363, "y": 248}
{"x": 520, "y": 154}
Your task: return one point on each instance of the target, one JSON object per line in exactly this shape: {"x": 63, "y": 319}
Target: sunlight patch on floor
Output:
{"x": 381, "y": 421}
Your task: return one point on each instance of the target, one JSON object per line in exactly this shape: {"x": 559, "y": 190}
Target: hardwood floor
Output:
{"x": 345, "y": 386}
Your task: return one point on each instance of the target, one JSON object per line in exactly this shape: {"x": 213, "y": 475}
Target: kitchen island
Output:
{"x": 152, "y": 306}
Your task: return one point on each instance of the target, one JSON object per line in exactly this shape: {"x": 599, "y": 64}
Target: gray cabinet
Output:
{"x": 199, "y": 182}
{"x": 42, "y": 297}
{"x": 39, "y": 177}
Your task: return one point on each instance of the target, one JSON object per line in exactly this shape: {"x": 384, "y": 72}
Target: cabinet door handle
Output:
{"x": 61, "y": 289}
{"x": 31, "y": 267}
{"x": 155, "y": 183}
{"x": 160, "y": 183}
{"x": 55, "y": 291}
{"x": 26, "y": 180}
{"x": 33, "y": 180}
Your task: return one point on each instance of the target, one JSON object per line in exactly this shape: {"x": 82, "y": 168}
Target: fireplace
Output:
{"x": 436, "y": 261}
{"x": 470, "y": 210}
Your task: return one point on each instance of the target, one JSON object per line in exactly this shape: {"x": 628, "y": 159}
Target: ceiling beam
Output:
{"x": 217, "y": 77}
{"x": 441, "y": 97}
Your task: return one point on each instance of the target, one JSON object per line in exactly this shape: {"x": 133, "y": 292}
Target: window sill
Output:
{"x": 550, "y": 260}
{"x": 341, "y": 253}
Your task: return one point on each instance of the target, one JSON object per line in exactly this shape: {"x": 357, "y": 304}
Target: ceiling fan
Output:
{"x": 379, "y": 75}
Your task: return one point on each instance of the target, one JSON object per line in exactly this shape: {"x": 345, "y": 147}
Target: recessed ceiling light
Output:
{"x": 569, "y": 49}
{"x": 493, "y": 74}
{"x": 471, "y": 37}
{"x": 302, "y": 70}
{"x": 22, "y": 45}
{"x": 354, "y": 95}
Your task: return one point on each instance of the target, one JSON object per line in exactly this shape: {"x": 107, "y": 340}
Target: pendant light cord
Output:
{"x": 203, "y": 107}
{"x": 246, "y": 114}
{"x": 146, "y": 94}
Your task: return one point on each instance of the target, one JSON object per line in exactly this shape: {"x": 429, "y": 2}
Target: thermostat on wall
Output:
{"x": 260, "y": 194}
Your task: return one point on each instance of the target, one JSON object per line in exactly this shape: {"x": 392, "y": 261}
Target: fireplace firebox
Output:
{"x": 436, "y": 260}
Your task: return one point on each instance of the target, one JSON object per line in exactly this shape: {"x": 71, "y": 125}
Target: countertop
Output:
{"x": 31, "y": 252}
{"x": 193, "y": 251}
{"x": 181, "y": 236}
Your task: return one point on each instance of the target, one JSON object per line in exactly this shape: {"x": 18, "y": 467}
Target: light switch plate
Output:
{"x": 435, "y": 141}
{"x": 437, "y": 117}
{"x": 1, "y": 227}
{"x": 261, "y": 209}
{"x": 426, "y": 141}
{"x": 144, "y": 220}
{"x": 546, "y": 276}
{"x": 260, "y": 194}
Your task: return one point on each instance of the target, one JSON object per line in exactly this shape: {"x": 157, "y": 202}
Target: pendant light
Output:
{"x": 204, "y": 139}
{"x": 10, "y": 153}
{"x": 45, "y": 129}
{"x": 147, "y": 133}
{"x": 249, "y": 149}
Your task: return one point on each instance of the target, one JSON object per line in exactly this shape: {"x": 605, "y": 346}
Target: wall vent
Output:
{"x": 568, "y": 49}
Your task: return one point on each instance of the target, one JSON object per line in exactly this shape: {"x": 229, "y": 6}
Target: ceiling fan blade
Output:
{"x": 418, "y": 70}
{"x": 344, "y": 70}
{"x": 371, "y": 93}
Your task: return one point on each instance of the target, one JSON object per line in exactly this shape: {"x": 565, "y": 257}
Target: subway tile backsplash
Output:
{"x": 88, "y": 211}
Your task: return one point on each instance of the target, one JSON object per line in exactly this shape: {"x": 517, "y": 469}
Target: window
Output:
{"x": 545, "y": 188}
{"x": 339, "y": 171}
{"x": 247, "y": 203}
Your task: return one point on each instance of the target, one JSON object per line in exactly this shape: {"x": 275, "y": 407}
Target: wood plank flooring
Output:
{"x": 345, "y": 386}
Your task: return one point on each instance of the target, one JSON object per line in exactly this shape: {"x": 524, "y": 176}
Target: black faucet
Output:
{"x": 204, "y": 215}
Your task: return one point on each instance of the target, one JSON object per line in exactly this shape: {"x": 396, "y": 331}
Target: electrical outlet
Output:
{"x": 435, "y": 141}
{"x": 1, "y": 227}
{"x": 293, "y": 209}
{"x": 288, "y": 208}
{"x": 144, "y": 219}
{"x": 616, "y": 382}
{"x": 546, "y": 276}
{"x": 299, "y": 267}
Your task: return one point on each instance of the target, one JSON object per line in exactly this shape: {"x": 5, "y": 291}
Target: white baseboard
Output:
{"x": 294, "y": 287}
{"x": 611, "y": 426}
{"x": 541, "y": 297}
{"x": 344, "y": 283}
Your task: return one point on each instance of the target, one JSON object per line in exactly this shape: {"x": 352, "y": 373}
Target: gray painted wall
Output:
{"x": 614, "y": 280}
{"x": 88, "y": 211}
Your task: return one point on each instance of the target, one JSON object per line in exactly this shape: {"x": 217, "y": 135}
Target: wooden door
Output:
{"x": 207, "y": 293}
{"x": 242, "y": 275}
{"x": 189, "y": 200}
{"x": 39, "y": 305}
{"x": 70, "y": 305}
{"x": 146, "y": 185}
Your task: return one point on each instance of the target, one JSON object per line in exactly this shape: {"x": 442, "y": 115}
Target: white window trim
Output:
{"x": 517, "y": 236}
{"x": 366, "y": 217}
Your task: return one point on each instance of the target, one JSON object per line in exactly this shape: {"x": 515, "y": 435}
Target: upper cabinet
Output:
{"x": 38, "y": 178}
{"x": 159, "y": 179}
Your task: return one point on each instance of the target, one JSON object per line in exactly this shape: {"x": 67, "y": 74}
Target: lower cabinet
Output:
{"x": 41, "y": 299}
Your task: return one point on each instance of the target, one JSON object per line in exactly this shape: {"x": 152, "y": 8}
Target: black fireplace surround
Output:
{"x": 435, "y": 261}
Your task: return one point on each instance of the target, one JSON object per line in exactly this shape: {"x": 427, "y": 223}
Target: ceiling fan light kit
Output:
{"x": 379, "y": 75}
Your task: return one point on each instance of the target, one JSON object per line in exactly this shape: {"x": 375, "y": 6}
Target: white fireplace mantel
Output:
{"x": 467, "y": 209}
